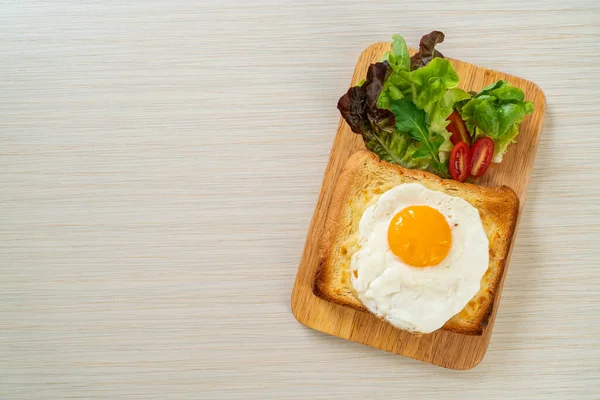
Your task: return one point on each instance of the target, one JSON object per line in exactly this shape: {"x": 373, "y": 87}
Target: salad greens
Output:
{"x": 413, "y": 121}
{"x": 427, "y": 51}
{"x": 402, "y": 107}
{"x": 377, "y": 125}
{"x": 496, "y": 112}
{"x": 422, "y": 98}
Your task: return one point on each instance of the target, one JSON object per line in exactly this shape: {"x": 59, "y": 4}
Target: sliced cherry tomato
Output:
{"x": 460, "y": 160}
{"x": 458, "y": 129}
{"x": 481, "y": 156}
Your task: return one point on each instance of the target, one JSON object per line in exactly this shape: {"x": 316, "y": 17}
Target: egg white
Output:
{"x": 412, "y": 298}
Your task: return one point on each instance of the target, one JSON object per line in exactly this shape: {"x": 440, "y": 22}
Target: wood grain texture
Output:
{"x": 442, "y": 347}
{"x": 160, "y": 162}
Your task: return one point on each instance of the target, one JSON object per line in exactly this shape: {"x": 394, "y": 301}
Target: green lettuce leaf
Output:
{"x": 397, "y": 148}
{"x": 399, "y": 81}
{"x": 398, "y": 58}
{"x": 432, "y": 81}
{"x": 436, "y": 93}
{"x": 496, "y": 112}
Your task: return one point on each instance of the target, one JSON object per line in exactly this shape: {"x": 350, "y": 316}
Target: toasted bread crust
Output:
{"x": 363, "y": 179}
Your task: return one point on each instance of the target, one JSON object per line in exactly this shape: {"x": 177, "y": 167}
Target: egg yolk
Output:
{"x": 420, "y": 236}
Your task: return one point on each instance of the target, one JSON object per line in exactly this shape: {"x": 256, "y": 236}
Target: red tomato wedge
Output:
{"x": 458, "y": 129}
{"x": 481, "y": 156}
{"x": 460, "y": 161}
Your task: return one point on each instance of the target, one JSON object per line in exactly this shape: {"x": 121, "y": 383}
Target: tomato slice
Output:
{"x": 481, "y": 156}
{"x": 458, "y": 129}
{"x": 460, "y": 160}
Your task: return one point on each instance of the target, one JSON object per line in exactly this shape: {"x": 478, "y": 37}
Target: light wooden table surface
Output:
{"x": 159, "y": 165}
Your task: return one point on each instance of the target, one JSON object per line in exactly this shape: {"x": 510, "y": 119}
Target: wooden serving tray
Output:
{"x": 442, "y": 348}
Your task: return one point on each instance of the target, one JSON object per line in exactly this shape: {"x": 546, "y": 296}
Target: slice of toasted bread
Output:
{"x": 363, "y": 179}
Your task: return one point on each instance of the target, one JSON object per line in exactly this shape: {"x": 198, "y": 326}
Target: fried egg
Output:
{"x": 421, "y": 257}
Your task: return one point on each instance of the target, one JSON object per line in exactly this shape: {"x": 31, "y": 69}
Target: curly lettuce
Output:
{"x": 427, "y": 51}
{"x": 377, "y": 125}
{"x": 496, "y": 112}
{"x": 431, "y": 87}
